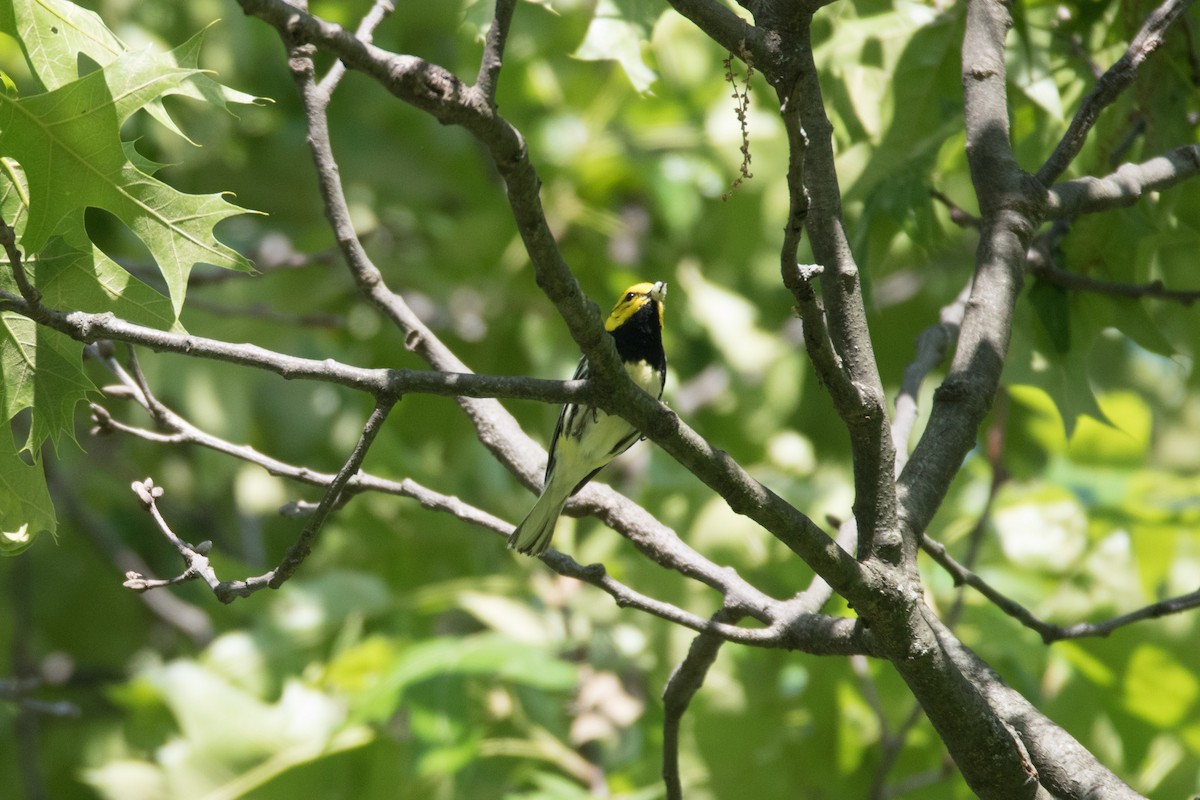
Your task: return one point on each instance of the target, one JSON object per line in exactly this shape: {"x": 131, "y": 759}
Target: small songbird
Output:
{"x": 585, "y": 438}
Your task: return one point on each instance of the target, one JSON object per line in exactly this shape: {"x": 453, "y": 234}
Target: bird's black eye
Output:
{"x": 629, "y": 296}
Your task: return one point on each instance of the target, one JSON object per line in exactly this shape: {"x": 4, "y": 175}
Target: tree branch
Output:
{"x": 932, "y": 345}
{"x": 298, "y": 552}
{"x": 951, "y": 700}
{"x": 1124, "y": 187}
{"x": 785, "y": 627}
{"x": 858, "y": 393}
{"x": 90, "y": 328}
{"x": 1062, "y": 765}
{"x": 723, "y": 26}
{"x": 188, "y": 618}
{"x": 495, "y": 427}
{"x": 433, "y": 89}
{"x": 1010, "y": 214}
{"x": 686, "y": 679}
{"x": 1110, "y": 86}
{"x": 493, "y": 50}
{"x": 1154, "y": 290}
{"x": 196, "y": 556}
{"x": 380, "y": 11}
{"x": 8, "y": 240}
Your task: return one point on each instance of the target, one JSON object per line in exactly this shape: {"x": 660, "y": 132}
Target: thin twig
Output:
{"x": 196, "y": 556}
{"x": 189, "y": 619}
{"x": 1080, "y": 630}
{"x": 1049, "y": 631}
{"x": 963, "y": 576}
{"x": 1154, "y": 290}
{"x": 266, "y": 262}
{"x": 493, "y": 50}
{"x": 958, "y": 215}
{"x": 17, "y": 693}
{"x": 8, "y": 240}
{"x": 380, "y": 11}
{"x": 264, "y": 313}
{"x": 298, "y": 552}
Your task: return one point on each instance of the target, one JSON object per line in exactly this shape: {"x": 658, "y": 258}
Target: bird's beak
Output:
{"x": 659, "y": 292}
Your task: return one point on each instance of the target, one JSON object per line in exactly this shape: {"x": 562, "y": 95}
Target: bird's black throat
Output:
{"x": 640, "y": 338}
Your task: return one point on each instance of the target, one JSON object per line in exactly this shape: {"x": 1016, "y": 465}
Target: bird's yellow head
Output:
{"x": 634, "y": 298}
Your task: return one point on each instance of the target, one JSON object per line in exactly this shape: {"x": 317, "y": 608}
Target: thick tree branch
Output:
{"x": 1063, "y": 766}
{"x": 1110, "y": 86}
{"x": 857, "y": 391}
{"x": 952, "y": 702}
{"x": 1124, "y": 187}
{"x": 1008, "y": 201}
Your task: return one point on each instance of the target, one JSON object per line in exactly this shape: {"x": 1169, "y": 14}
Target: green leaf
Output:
{"x": 1030, "y": 68}
{"x": 1049, "y": 352}
{"x": 71, "y": 272}
{"x": 1053, "y": 312}
{"x": 1158, "y": 688}
{"x": 68, "y": 143}
{"x": 25, "y": 507}
{"x": 618, "y": 31}
{"x": 483, "y": 654}
{"x": 1124, "y": 443}
{"x": 40, "y": 370}
{"x": 54, "y": 33}
{"x": 1130, "y": 317}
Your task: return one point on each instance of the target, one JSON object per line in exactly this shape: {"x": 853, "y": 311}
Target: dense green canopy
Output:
{"x": 411, "y": 654}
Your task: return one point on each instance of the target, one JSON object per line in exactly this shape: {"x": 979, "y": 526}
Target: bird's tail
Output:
{"x": 532, "y": 536}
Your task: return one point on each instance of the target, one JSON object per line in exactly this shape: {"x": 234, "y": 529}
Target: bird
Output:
{"x": 585, "y": 438}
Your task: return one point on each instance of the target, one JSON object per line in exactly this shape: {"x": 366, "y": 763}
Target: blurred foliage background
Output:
{"x": 413, "y": 657}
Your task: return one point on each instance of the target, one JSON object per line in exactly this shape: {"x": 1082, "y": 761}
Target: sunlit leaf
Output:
{"x": 26, "y": 510}
{"x": 1158, "y": 688}
{"x": 619, "y": 32}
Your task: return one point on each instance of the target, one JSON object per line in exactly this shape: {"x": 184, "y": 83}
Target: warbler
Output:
{"x": 585, "y": 438}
